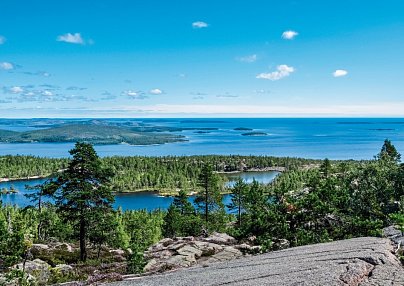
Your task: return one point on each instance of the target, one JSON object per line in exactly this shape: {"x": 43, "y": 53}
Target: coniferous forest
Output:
{"x": 311, "y": 201}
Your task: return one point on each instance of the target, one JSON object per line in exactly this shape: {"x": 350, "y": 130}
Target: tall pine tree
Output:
{"x": 82, "y": 192}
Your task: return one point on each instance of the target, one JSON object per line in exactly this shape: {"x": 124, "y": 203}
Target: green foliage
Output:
{"x": 11, "y": 236}
{"x": 90, "y": 133}
{"x": 328, "y": 201}
{"x": 181, "y": 218}
{"x": 389, "y": 152}
{"x": 20, "y": 278}
{"x": 82, "y": 194}
{"x": 149, "y": 173}
{"x": 209, "y": 200}
{"x": 240, "y": 191}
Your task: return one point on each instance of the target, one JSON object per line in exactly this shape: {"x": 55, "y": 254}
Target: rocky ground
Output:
{"x": 170, "y": 254}
{"x": 353, "y": 262}
{"x": 220, "y": 260}
{"x": 56, "y": 263}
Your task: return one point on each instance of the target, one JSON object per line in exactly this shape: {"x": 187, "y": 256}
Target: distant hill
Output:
{"x": 91, "y": 133}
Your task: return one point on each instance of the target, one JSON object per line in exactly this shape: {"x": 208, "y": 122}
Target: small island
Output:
{"x": 243, "y": 129}
{"x": 254, "y": 134}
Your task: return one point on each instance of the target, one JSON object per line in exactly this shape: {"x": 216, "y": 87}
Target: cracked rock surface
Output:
{"x": 353, "y": 262}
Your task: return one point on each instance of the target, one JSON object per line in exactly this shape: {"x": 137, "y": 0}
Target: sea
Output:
{"x": 317, "y": 138}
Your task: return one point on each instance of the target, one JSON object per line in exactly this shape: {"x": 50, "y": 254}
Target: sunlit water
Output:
{"x": 309, "y": 138}
{"x": 127, "y": 201}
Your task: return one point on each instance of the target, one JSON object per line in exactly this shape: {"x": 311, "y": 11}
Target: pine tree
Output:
{"x": 209, "y": 200}
{"x": 182, "y": 203}
{"x": 388, "y": 151}
{"x": 238, "y": 196}
{"x": 82, "y": 191}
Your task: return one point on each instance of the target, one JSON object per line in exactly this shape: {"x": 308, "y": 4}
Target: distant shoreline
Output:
{"x": 266, "y": 169}
{"x": 4, "y": 180}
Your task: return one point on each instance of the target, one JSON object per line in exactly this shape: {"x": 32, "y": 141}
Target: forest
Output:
{"x": 91, "y": 133}
{"x": 331, "y": 200}
{"x": 163, "y": 174}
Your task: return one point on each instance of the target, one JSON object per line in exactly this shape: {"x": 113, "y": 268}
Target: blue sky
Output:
{"x": 132, "y": 58}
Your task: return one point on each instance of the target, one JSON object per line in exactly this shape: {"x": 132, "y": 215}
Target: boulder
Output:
{"x": 189, "y": 250}
{"x": 38, "y": 269}
{"x": 163, "y": 254}
{"x": 64, "y": 269}
{"x": 220, "y": 238}
{"x": 394, "y": 234}
{"x": 166, "y": 241}
{"x": 246, "y": 248}
{"x": 182, "y": 252}
{"x": 228, "y": 253}
{"x": 391, "y": 231}
{"x": 208, "y": 248}
{"x": 281, "y": 244}
{"x": 179, "y": 261}
{"x": 64, "y": 247}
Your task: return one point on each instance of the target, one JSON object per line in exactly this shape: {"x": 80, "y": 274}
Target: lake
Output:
{"x": 317, "y": 138}
{"x": 128, "y": 201}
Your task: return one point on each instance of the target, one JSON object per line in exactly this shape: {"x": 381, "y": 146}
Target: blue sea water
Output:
{"x": 333, "y": 138}
{"x": 126, "y": 201}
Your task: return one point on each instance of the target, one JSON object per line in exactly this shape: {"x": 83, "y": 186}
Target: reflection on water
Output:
{"x": 248, "y": 177}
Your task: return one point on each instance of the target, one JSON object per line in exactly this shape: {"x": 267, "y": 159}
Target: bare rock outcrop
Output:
{"x": 352, "y": 262}
{"x": 180, "y": 252}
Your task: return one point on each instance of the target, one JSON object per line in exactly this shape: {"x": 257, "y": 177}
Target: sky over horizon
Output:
{"x": 132, "y": 58}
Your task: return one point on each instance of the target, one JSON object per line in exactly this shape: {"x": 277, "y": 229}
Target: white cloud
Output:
{"x": 16, "y": 89}
{"x": 2, "y": 40}
{"x": 47, "y": 93}
{"x": 156, "y": 91}
{"x": 228, "y": 110}
{"x": 248, "y": 59}
{"x": 339, "y": 73}
{"x": 134, "y": 94}
{"x": 131, "y": 93}
{"x": 281, "y": 72}
{"x": 71, "y": 38}
{"x": 6, "y": 66}
{"x": 199, "y": 25}
{"x": 262, "y": 91}
{"x": 289, "y": 35}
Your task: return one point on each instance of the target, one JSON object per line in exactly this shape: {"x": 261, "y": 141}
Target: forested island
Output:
{"x": 94, "y": 134}
{"x": 256, "y": 133}
{"x": 81, "y": 237}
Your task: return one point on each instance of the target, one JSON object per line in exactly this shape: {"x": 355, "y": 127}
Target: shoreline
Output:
{"x": 265, "y": 169}
{"x": 4, "y": 180}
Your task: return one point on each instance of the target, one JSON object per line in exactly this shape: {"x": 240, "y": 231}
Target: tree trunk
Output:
{"x": 239, "y": 210}
{"x": 206, "y": 206}
{"x": 40, "y": 217}
{"x": 83, "y": 249}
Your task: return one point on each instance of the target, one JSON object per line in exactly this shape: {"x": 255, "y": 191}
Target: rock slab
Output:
{"x": 353, "y": 262}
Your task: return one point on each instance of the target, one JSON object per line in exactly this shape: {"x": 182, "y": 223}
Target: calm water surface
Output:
{"x": 334, "y": 138}
{"x": 128, "y": 201}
